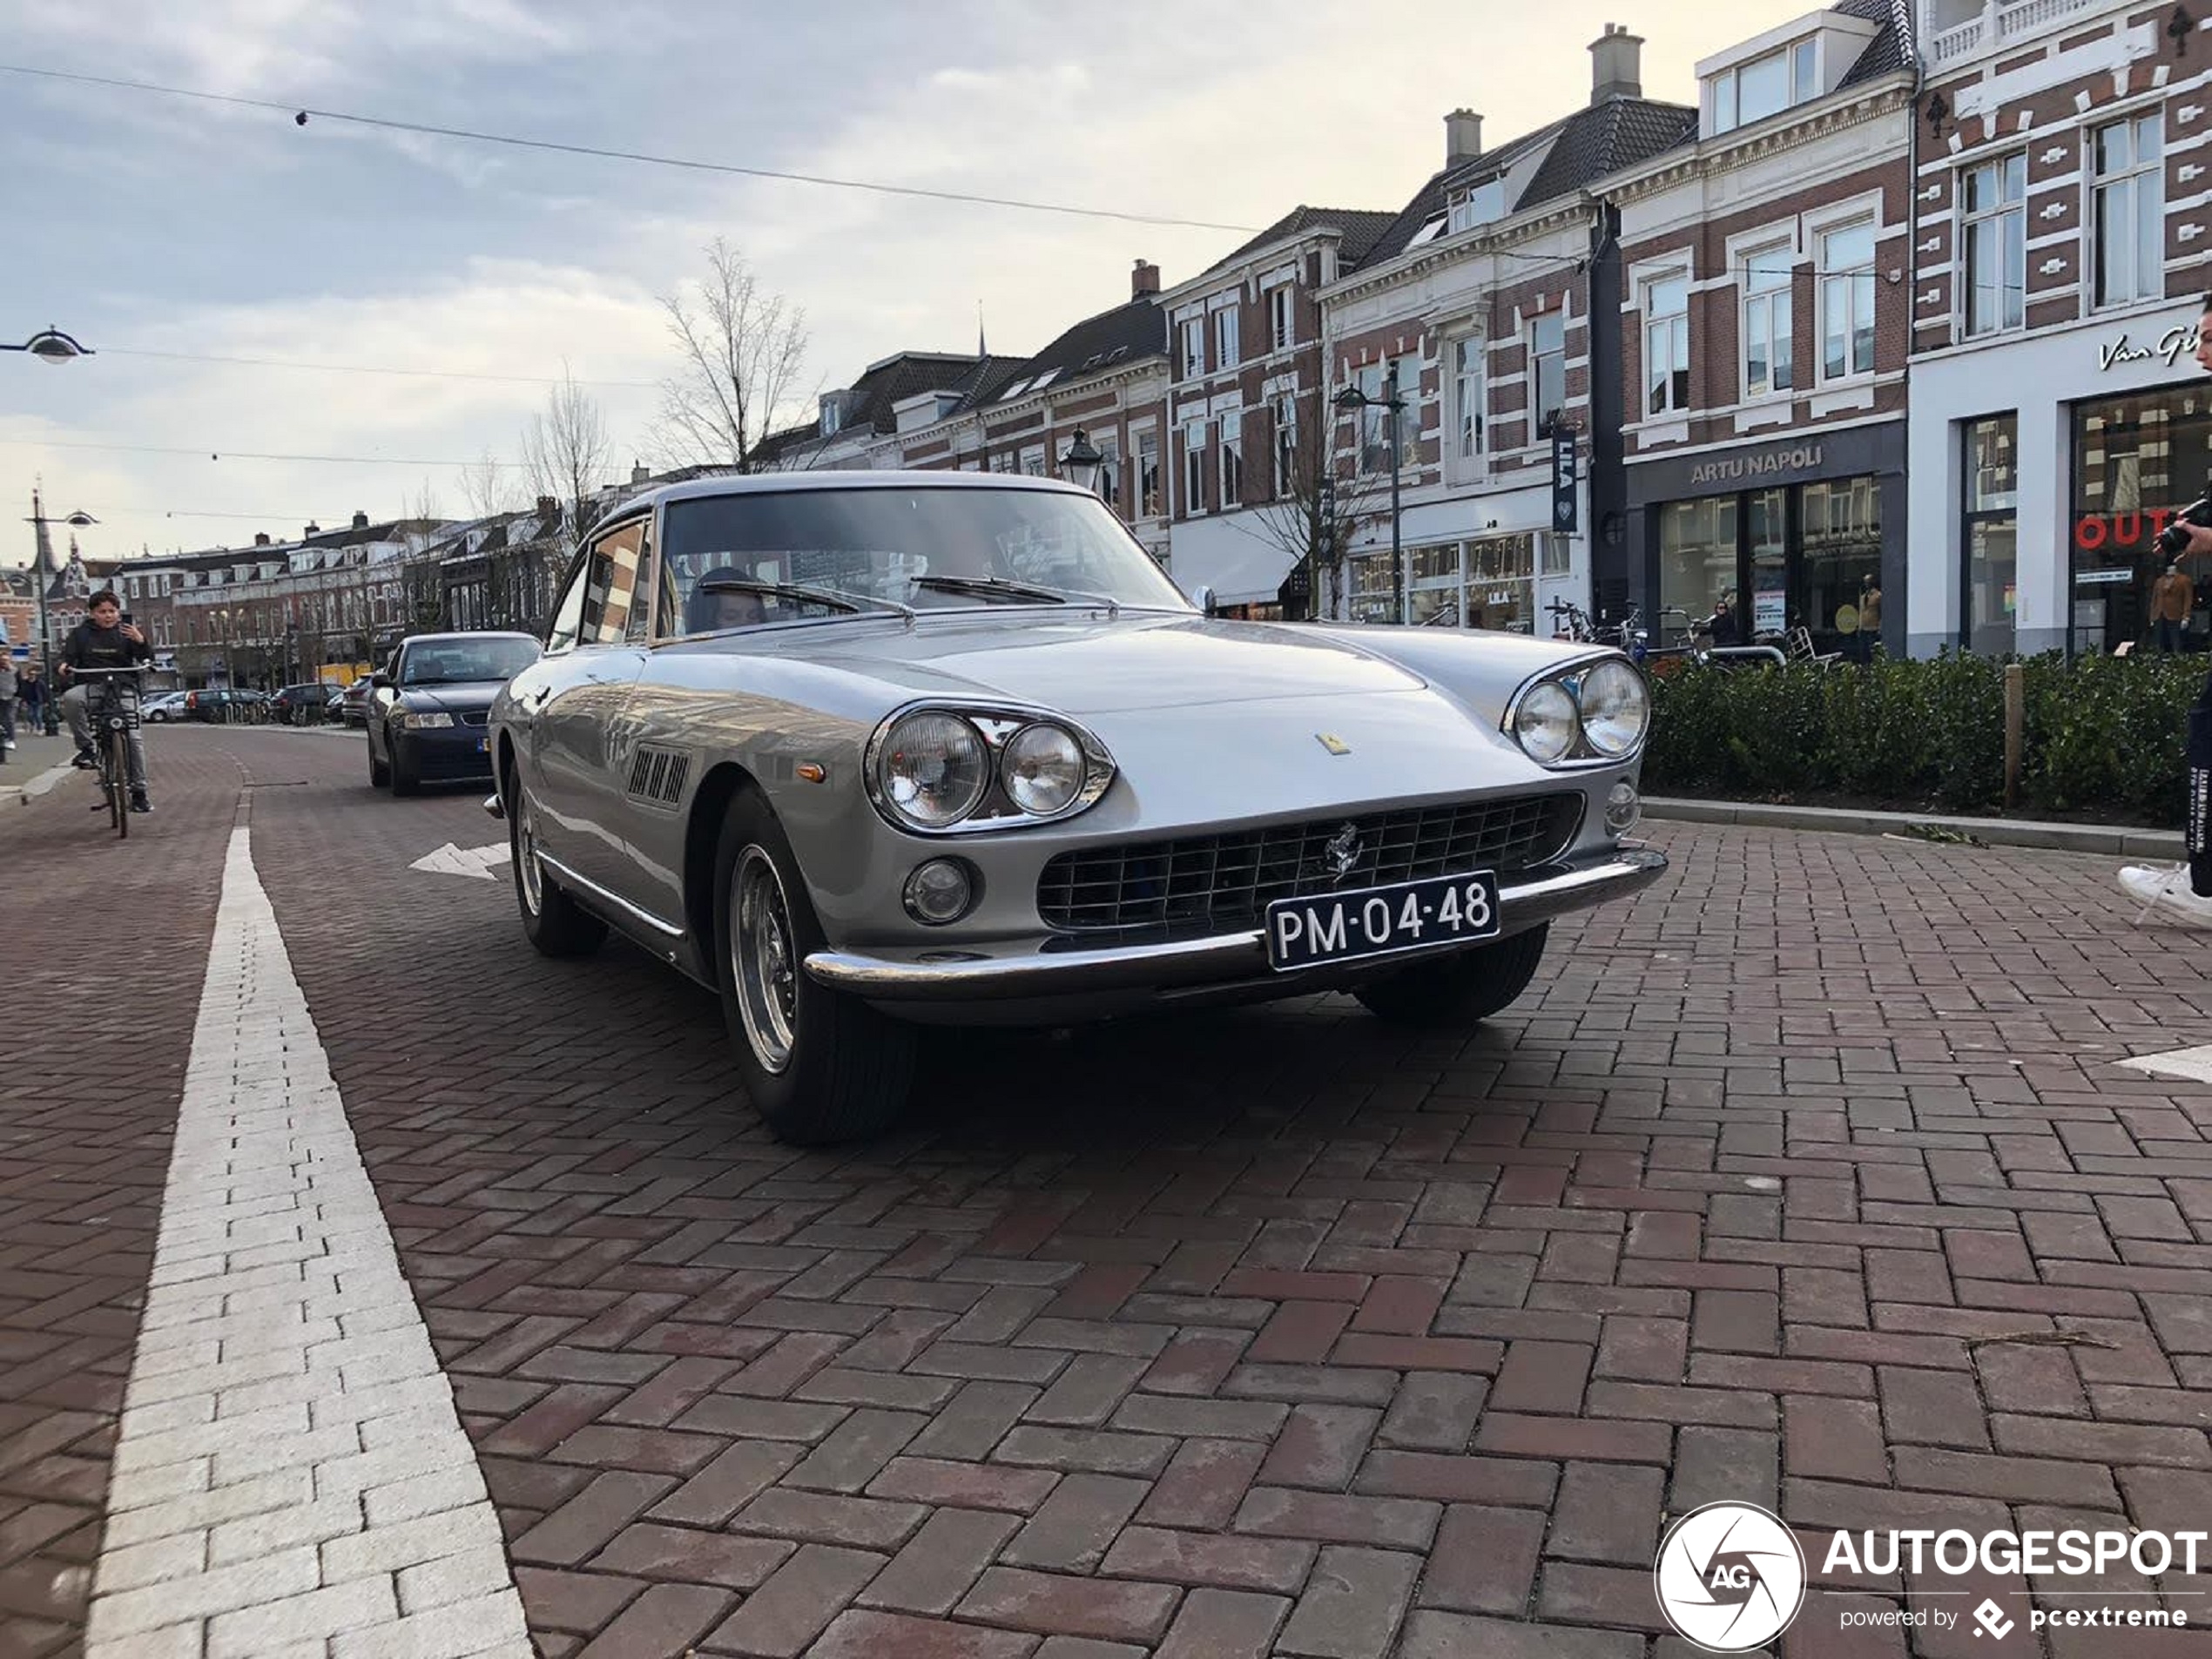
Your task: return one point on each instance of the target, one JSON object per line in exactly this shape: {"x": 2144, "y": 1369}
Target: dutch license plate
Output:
{"x": 1381, "y": 921}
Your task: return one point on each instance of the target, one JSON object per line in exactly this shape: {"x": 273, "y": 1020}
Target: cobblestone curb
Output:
{"x": 2113, "y": 840}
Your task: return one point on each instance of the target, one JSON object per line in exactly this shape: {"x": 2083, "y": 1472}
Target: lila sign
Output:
{"x": 2175, "y": 344}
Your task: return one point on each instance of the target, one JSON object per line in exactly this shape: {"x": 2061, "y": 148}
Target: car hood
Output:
{"x": 457, "y": 696}
{"x": 1089, "y": 668}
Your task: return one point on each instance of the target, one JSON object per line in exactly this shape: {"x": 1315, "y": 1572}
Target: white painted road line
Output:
{"x": 289, "y": 1468}
{"x": 476, "y": 861}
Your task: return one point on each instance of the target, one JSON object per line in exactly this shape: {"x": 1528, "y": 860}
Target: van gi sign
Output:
{"x": 2175, "y": 343}
{"x": 1728, "y": 468}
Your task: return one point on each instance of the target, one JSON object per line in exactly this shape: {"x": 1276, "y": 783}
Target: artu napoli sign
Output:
{"x": 2175, "y": 344}
{"x": 1760, "y": 463}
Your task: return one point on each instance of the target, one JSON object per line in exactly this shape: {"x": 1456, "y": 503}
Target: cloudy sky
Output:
{"x": 151, "y": 226}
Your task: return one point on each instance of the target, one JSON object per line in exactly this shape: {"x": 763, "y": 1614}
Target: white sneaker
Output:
{"x": 2169, "y": 888}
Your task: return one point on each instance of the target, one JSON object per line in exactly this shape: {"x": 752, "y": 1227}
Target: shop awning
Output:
{"x": 1242, "y": 571}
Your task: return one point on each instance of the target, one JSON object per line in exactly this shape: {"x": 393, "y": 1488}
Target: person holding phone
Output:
{"x": 105, "y": 638}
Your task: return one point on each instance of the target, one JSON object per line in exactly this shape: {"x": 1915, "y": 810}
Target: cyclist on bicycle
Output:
{"x": 105, "y": 640}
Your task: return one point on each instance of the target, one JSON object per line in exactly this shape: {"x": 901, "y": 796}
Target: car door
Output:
{"x": 576, "y": 699}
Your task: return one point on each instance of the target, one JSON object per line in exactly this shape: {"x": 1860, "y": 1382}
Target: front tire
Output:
{"x": 554, "y": 922}
{"x": 118, "y": 772}
{"x": 1460, "y": 990}
{"x": 406, "y": 780}
{"x": 821, "y": 1067}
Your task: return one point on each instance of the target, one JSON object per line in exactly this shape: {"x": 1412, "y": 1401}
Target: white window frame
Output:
{"x": 1227, "y": 343}
{"x": 2132, "y": 182}
{"x": 1801, "y": 82}
{"x": 1193, "y": 361}
{"x": 1467, "y": 360}
{"x": 1854, "y": 283}
{"x": 1676, "y": 325}
{"x": 1535, "y": 356}
{"x": 1756, "y": 318}
{"x": 1147, "y": 499}
{"x": 1286, "y": 405}
{"x": 2012, "y": 303}
{"x": 1194, "y": 468}
{"x": 1110, "y": 467}
{"x": 1282, "y": 316}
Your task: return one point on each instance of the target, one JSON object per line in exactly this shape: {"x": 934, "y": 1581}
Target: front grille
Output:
{"x": 473, "y": 717}
{"x": 1202, "y": 885}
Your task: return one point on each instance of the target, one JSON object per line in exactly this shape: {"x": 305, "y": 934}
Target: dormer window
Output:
{"x": 1486, "y": 202}
{"x": 832, "y": 414}
{"x": 1766, "y": 85}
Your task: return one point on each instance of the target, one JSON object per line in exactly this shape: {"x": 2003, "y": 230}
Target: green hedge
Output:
{"x": 2102, "y": 734}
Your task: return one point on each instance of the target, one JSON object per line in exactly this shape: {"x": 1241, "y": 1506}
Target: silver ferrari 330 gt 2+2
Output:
{"x": 866, "y": 751}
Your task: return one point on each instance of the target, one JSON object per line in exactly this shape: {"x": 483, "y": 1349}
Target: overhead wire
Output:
{"x": 302, "y": 114}
{"x": 364, "y": 369}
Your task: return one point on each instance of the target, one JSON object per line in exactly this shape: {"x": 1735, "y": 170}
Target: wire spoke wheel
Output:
{"x": 764, "y": 960}
{"x": 527, "y": 870}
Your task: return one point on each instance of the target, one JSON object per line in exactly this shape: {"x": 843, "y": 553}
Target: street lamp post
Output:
{"x": 51, "y": 345}
{"x": 1080, "y": 465}
{"x": 1353, "y": 398}
{"x": 50, "y": 702}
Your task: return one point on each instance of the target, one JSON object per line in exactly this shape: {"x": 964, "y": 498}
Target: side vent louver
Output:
{"x": 656, "y": 775}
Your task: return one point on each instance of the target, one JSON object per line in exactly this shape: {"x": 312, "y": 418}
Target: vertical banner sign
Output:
{"x": 1565, "y": 458}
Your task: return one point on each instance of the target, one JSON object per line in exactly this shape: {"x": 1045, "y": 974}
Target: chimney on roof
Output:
{"x": 361, "y": 521}
{"x": 1462, "y": 137}
{"x": 313, "y": 528}
{"x": 1616, "y": 65}
{"x": 640, "y": 474}
{"x": 548, "y": 507}
{"x": 1144, "y": 280}
{"x": 260, "y": 538}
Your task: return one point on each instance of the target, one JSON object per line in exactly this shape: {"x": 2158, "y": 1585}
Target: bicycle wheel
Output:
{"x": 119, "y": 772}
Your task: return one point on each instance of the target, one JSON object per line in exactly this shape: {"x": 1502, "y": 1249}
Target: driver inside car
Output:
{"x": 709, "y": 611}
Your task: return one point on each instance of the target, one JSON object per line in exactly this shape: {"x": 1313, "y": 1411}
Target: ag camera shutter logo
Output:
{"x": 1730, "y": 1577}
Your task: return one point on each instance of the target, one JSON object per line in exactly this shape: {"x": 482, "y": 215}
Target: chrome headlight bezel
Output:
{"x": 1584, "y": 754}
{"x": 426, "y": 719}
{"x": 997, "y": 725}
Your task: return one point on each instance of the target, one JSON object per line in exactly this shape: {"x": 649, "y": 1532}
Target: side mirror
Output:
{"x": 381, "y": 680}
{"x": 1203, "y": 596}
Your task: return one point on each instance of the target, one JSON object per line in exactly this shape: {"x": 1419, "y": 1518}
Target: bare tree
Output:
{"x": 423, "y": 504}
{"x": 565, "y": 450}
{"x": 1313, "y": 486}
{"x": 487, "y": 488}
{"x": 741, "y": 352}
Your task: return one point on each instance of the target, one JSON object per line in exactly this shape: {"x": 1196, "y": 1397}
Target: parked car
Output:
{"x": 862, "y": 752}
{"x": 163, "y": 707}
{"x": 426, "y": 714}
{"x": 225, "y": 703}
{"x": 353, "y": 702}
{"x": 298, "y": 704}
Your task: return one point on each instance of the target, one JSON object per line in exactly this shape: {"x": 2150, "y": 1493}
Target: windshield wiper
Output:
{"x": 1001, "y": 587}
{"x": 852, "y": 603}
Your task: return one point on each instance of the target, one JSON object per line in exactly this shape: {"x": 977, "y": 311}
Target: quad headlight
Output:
{"x": 1589, "y": 714}
{"x": 936, "y": 770}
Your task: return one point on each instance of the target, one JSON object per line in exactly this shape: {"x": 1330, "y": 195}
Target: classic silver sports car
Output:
{"x": 865, "y": 750}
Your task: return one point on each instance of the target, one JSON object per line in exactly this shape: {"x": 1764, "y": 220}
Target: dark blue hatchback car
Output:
{"x": 426, "y": 712}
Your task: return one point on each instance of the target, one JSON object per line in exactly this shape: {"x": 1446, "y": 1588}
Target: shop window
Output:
{"x": 1502, "y": 583}
{"x": 1767, "y": 322}
{"x": 1847, "y": 302}
{"x": 2128, "y": 213}
{"x": 1697, "y": 557}
{"x": 1764, "y": 612}
{"x": 1839, "y": 551}
{"x": 1990, "y": 544}
{"x": 2136, "y": 461}
{"x": 1666, "y": 344}
{"x": 1995, "y": 238}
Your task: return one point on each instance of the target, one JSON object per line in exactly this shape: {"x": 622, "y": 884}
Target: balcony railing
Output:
{"x": 2001, "y": 26}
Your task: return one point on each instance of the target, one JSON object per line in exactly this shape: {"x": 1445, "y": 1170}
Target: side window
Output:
{"x": 568, "y": 613}
{"x": 635, "y": 631}
{"x": 620, "y": 554}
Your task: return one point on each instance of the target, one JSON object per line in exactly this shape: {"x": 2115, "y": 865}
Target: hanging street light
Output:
{"x": 51, "y": 345}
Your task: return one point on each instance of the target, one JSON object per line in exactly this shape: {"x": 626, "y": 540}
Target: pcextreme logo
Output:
{"x": 1730, "y": 1577}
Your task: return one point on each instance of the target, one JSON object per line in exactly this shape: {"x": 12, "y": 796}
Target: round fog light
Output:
{"x": 940, "y": 890}
{"x": 1622, "y": 808}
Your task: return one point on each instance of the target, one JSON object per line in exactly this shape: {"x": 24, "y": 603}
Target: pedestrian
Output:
{"x": 1868, "y": 634}
{"x": 2186, "y": 890}
{"x": 2172, "y": 597}
{"x": 9, "y": 688}
{"x": 31, "y": 691}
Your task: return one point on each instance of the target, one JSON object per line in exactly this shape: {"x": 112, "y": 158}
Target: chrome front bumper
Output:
{"x": 959, "y": 977}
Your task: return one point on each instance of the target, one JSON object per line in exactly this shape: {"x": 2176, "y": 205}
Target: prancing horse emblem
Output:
{"x": 1342, "y": 853}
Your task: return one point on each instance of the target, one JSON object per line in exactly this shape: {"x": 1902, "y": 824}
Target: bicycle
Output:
{"x": 1571, "y": 621}
{"x": 114, "y": 713}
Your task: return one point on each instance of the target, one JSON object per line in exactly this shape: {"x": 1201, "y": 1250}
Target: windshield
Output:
{"x": 447, "y": 662}
{"x": 939, "y": 548}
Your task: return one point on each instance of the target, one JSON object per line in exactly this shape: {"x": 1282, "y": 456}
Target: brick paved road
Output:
{"x": 1809, "y": 1180}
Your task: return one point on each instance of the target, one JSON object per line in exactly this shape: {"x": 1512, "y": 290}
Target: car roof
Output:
{"x": 470, "y": 633}
{"x": 773, "y": 483}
